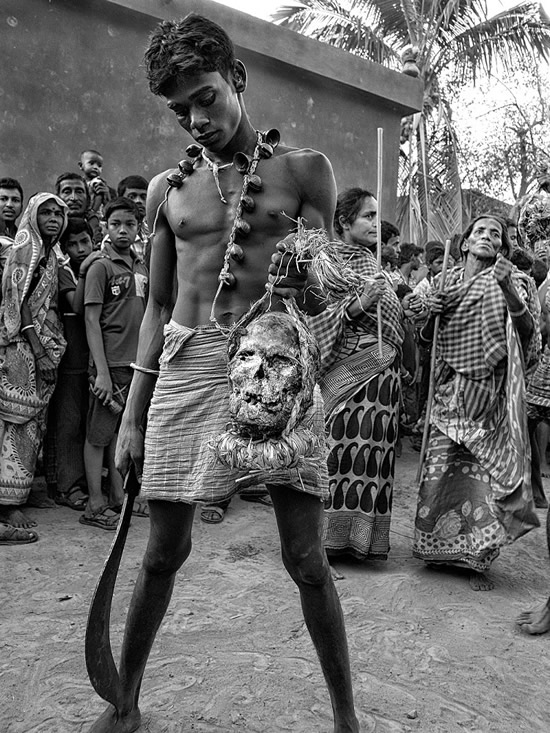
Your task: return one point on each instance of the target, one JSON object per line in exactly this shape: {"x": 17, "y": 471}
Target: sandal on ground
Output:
{"x": 140, "y": 508}
{"x": 74, "y": 498}
{"x": 104, "y": 518}
{"x": 264, "y": 499}
{"x": 212, "y": 514}
{"x": 15, "y": 536}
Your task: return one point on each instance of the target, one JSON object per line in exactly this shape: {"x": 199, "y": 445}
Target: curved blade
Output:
{"x": 102, "y": 670}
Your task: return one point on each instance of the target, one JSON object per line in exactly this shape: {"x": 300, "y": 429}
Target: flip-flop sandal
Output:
{"x": 264, "y": 499}
{"x": 140, "y": 508}
{"x": 212, "y": 514}
{"x": 16, "y": 536}
{"x": 101, "y": 519}
{"x": 74, "y": 498}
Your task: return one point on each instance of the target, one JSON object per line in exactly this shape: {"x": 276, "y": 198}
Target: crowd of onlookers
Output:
{"x": 101, "y": 247}
{"x": 75, "y": 281}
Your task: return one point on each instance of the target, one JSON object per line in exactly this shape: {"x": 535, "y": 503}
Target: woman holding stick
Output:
{"x": 360, "y": 386}
{"x": 475, "y": 494}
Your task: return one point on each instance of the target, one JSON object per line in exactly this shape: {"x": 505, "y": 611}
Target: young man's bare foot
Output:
{"x": 15, "y": 517}
{"x": 110, "y": 722}
{"x": 479, "y": 581}
{"x": 536, "y": 621}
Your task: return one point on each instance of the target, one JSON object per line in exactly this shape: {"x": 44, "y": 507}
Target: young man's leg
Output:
{"x": 300, "y": 520}
{"x": 168, "y": 547}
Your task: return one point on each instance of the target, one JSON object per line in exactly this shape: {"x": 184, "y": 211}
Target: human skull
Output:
{"x": 265, "y": 376}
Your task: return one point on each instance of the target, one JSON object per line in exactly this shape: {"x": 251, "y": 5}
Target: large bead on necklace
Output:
{"x": 242, "y": 162}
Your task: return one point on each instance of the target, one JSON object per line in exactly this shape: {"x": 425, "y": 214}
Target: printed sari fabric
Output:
{"x": 361, "y": 389}
{"x": 475, "y": 494}
{"x": 30, "y": 275}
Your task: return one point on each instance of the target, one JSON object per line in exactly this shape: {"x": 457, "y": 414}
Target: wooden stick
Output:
{"x": 380, "y": 172}
{"x": 431, "y": 389}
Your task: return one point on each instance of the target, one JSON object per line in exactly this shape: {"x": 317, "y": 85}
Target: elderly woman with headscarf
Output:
{"x": 475, "y": 494}
{"x": 31, "y": 347}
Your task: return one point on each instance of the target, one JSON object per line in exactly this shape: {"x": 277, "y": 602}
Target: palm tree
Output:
{"x": 453, "y": 42}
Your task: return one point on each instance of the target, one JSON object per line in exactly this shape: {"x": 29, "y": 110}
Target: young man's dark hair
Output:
{"x": 388, "y": 230}
{"x": 11, "y": 183}
{"x": 348, "y": 205}
{"x": 185, "y": 47}
{"x": 433, "y": 251}
{"x": 131, "y": 182}
{"x": 123, "y": 204}
{"x": 75, "y": 225}
{"x": 522, "y": 259}
{"x": 408, "y": 251}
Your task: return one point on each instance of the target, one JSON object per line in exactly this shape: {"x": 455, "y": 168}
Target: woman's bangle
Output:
{"x": 518, "y": 313}
{"x": 26, "y": 328}
{"x": 144, "y": 370}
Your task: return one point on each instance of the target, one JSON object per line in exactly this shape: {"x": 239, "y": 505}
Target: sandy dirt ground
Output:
{"x": 428, "y": 653}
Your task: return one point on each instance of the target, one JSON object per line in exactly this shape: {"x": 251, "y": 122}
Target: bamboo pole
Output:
{"x": 380, "y": 171}
{"x": 431, "y": 388}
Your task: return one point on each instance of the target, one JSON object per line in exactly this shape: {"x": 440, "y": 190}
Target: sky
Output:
{"x": 263, "y": 8}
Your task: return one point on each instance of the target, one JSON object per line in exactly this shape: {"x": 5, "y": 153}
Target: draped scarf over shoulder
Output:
{"x": 30, "y": 276}
{"x": 329, "y": 326}
{"x": 27, "y": 256}
{"x": 473, "y": 326}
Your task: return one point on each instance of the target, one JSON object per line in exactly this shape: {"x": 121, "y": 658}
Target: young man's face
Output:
{"x": 91, "y": 165}
{"x": 49, "y": 218}
{"x": 122, "y": 229}
{"x": 11, "y": 204}
{"x": 207, "y": 107}
{"x": 138, "y": 196}
{"x": 436, "y": 265}
{"x": 363, "y": 230}
{"x": 78, "y": 247}
{"x": 74, "y": 194}
{"x": 394, "y": 241}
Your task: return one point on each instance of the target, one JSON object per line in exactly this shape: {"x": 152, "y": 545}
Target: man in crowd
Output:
{"x": 11, "y": 205}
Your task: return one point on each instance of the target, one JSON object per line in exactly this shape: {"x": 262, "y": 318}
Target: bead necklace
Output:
{"x": 246, "y": 165}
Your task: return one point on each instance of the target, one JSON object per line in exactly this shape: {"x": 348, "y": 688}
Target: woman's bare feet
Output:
{"x": 536, "y": 621}
{"x": 15, "y": 517}
{"x": 110, "y": 722}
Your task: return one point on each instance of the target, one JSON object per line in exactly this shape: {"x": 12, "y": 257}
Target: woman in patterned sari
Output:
{"x": 475, "y": 495}
{"x": 361, "y": 390}
{"x": 31, "y": 346}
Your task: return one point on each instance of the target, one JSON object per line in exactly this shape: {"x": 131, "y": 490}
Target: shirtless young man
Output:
{"x": 191, "y": 64}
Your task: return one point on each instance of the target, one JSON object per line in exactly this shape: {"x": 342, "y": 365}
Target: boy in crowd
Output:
{"x": 135, "y": 189}
{"x": 91, "y": 165}
{"x": 115, "y": 295}
{"x": 69, "y": 405}
{"x": 72, "y": 188}
{"x": 11, "y": 204}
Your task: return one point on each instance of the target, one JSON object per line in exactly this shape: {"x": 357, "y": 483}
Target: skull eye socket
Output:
{"x": 246, "y": 354}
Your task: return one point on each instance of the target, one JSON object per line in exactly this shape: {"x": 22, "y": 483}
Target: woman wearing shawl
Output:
{"x": 31, "y": 346}
{"x": 361, "y": 390}
{"x": 475, "y": 495}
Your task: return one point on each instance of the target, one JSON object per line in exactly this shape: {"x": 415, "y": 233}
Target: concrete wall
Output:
{"x": 72, "y": 78}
